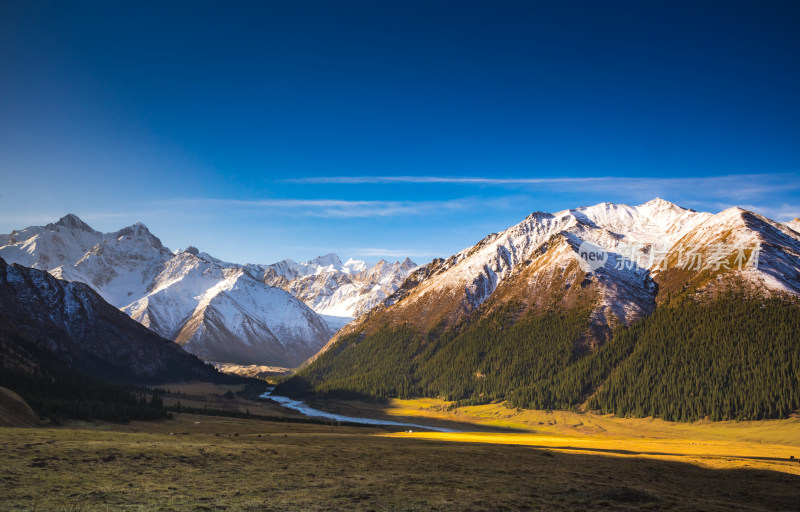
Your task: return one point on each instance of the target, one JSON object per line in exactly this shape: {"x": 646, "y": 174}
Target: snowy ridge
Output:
{"x": 538, "y": 262}
{"x": 329, "y": 263}
{"x": 338, "y": 291}
{"x": 48, "y": 247}
{"x": 217, "y": 310}
{"x": 777, "y": 264}
{"x": 616, "y": 228}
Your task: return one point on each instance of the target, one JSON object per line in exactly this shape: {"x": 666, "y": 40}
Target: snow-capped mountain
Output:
{"x": 735, "y": 244}
{"x": 51, "y": 246}
{"x": 215, "y": 309}
{"x": 223, "y": 314}
{"x": 542, "y": 263}
{"x": 338, "y": 291}
{"x": 121, "y": 266}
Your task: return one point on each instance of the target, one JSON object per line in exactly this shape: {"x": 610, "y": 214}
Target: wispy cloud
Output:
{"x": 355, "y": 180}
{"x": 343, "y": 208}
{"x": 732, "y": 185}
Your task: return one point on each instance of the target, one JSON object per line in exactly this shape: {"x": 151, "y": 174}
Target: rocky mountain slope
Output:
{"x": 223, "y": 314}
{"x": 338, "y": 291}
{"x": 216, "y": 310}
{"x": 539, "y": 263}
{"x": 543, "y": 313}
{"x": 47, "y": 322}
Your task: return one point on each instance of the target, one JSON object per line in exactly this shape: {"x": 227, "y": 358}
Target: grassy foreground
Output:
{"x": 216, "y": 463}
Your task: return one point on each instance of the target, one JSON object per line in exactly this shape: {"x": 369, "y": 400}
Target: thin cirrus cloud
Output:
{"x": 704, "y": 192}
{"x": 355, "y": 180}
{"x": 343, "y": 208}
{"x": 738, "y": 184}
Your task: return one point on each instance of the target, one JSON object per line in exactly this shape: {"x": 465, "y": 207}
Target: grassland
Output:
{"x": 209, "y": 463}
{"x": 771, "y": 445}
{"x": 784, "y": 432}
{"x": 196, "y": 462}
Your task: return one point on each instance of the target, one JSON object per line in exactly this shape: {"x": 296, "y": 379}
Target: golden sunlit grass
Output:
{"x": 729, "y": 444}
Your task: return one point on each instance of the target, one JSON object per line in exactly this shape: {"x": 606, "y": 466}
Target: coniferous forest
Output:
{"x": 65, "y": 395}
{"x": 730, "y": 358}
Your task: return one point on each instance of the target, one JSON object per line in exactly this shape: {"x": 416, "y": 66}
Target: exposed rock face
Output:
{"x": 68, "y": 324}
{"x": 339, "y": 291}
{"x": 538, "y": 262}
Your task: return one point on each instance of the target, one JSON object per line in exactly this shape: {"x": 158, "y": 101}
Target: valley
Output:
{"x": 403, "y": 256}
{"x": 506, "y": 377}
{"x": 196, "y": 462}
{"x": 688, "y": 315}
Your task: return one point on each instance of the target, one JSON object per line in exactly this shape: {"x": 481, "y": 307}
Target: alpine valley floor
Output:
{"x": 550, "y": 461}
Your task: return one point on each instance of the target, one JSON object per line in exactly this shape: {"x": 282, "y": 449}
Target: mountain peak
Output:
{"x": 139, "y": 230}
{"x": 733, "y": 211}
{"x": 134, "y": 229}
{"x": 408, "y": 261}
{"x": 71, "y": 221}
{"x": 356, "y": 265}
{"x": 659, "y": 203}
{"x": 327, "y": 260}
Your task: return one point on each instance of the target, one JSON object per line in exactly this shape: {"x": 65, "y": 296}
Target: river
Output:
{"x": 301, "y": 407}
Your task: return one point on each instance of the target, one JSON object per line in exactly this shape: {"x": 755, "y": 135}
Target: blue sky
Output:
{"x": 259, "y": 131}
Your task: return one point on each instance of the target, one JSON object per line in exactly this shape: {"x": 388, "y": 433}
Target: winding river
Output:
{"x": 301, "y": 407}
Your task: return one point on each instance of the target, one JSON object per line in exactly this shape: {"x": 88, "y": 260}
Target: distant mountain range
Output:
{"x": 549, "y": 303}
{"x": 226, "y": 312}
{"x": 339, "y": 291}
{"x": 636, "y": 310}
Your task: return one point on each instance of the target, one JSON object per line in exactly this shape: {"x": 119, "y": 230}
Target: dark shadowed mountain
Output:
{"x": 50, "y": 324}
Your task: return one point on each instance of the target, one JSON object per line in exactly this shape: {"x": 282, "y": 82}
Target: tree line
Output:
{"x": 735, "y": 357}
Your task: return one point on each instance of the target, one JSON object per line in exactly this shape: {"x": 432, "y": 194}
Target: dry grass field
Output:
{"x": 196, "y": 462}
{"x": 210, "y": 463}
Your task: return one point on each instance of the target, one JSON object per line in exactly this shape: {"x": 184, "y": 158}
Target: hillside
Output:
{"x": 69, "y": 354}
{"x": 48, "y": 324}
{"x": 14, "y": 412}
{"x": 521, "y": 317}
